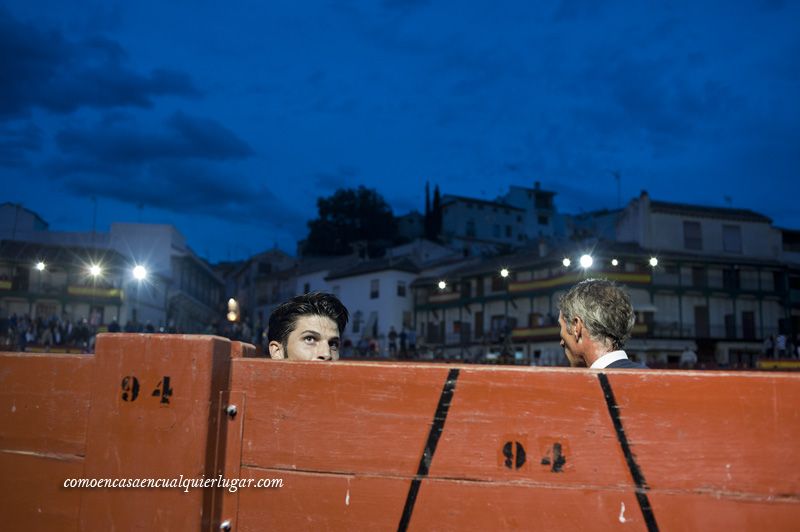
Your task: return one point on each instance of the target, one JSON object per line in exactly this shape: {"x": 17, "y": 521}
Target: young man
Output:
{"x": 307, "y": 327}
{"x": 596, "y": 318}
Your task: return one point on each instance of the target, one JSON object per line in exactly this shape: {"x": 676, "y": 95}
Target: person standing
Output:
{"x": 596, "y": 318}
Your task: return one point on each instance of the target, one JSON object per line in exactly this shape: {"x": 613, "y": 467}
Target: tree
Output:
{"x": 349, "y": 216}
{"x": 438, "y": 215}
{"x": 433, "y": 214}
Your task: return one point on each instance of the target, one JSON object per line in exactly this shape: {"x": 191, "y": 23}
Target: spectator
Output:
{"x": 780, "y": 346}
{"x": 688, "y": 358}
{"x": 392, "y": 342}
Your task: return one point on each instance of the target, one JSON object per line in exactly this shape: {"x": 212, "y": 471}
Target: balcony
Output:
{"x": 45, "y": 290}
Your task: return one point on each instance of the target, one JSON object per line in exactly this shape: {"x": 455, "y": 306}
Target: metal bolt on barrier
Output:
{"x": 231, "y": 411}
{"x": 225, "y": 526}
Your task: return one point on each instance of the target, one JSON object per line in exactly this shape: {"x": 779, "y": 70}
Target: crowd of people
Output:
{"x": 21, "y": 333}
{"x": 18, "y": 332}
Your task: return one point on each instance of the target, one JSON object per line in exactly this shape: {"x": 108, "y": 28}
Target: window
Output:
{"x": 730, "y": 279}
{"x": 374, "y": 288}
{"x": 543, "y": 220}
{"x": 401, "y": 288}
{"x": 699, "y": 278}
{"x": 471, "y": 228}
{"x": 543, "y": 201}
{"x": 499, "y": 283}
{"x": 732, "y": 238}
{"x": 357, "y": 319}
{"x": 692, "y": 235}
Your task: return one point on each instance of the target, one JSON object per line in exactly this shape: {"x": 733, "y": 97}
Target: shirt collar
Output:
{"x": 609, "y": 358}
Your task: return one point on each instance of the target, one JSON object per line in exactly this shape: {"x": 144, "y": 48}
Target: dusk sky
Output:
{"x": 229, "y": 119}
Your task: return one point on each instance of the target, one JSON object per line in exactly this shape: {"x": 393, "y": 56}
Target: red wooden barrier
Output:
{"x": 390, "y": 446}
{"x": 44, "y": 411}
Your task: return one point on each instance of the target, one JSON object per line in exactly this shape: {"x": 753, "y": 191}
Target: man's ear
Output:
{"x": 577, "y": 327}
{"x": 276, "y": 350}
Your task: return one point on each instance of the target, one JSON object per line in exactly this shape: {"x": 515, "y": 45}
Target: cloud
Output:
{"x": 189, "y": 188}
{"x": 126, "y": 143}
{"x": 331, "y": 181}
{"x": 43, "y": 69}
{"x": 17, "y": 142}
{"x": 178, "y": 167}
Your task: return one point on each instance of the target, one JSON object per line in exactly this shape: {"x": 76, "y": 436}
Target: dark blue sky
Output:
{"x": 229, "y": 119}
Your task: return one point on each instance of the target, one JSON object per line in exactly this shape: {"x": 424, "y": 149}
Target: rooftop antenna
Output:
{"x": 618, "y": 178}
{"x": 94, "y": 219}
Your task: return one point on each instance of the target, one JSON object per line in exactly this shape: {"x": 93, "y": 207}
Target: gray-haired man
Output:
{"x": 596, "y": 318}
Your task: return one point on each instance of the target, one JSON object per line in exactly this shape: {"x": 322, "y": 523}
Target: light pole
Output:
{"x": 95, "y": 270}
{"x": 140, "y": 274}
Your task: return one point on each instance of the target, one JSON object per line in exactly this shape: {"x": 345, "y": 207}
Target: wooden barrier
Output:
{"x": 389, "y": 446}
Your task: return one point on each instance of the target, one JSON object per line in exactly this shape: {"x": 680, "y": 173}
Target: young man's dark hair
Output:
{"x": 322, "y": 318}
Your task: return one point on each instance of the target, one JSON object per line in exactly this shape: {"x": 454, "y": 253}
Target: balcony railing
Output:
{"x": 49, "y": 290}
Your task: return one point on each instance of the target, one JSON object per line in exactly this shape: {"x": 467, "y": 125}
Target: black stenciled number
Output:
{"x": 558, "y": 460}
{"x": 163, "y": 390}
{"x": 130, "y": 388}
{"x": 515, "y": 454}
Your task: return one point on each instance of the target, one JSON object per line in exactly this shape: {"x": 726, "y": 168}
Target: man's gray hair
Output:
{"x": 604, "y": 307}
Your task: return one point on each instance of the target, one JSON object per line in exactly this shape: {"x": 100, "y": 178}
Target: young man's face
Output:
{"x": 313, "y": 338}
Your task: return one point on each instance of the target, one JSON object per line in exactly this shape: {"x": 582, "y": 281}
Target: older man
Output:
{"x": 596, "y": 318}
{"x": 307, "y": 327}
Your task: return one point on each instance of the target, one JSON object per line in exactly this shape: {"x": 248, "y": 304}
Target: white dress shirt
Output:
{"x": 608, "y": 358}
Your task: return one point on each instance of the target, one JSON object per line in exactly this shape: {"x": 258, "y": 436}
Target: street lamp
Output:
{"x": 566, "y": 262}
{"x": 504, "y": 273}
{"x": 95, "y": 270}
{"x": 586, "y": 261}
{"x": 233, "y": 310}
{"x": 41, "y": 266}
{"x": 614, "y": 262}
{"x": 653, "y": 262}
{"x": 139, "y": 272}
{"x": 442, "y": 285}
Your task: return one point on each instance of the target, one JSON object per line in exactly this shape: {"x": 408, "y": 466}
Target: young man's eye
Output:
{"x": 334, "y": 346}
{"x": 309, "y": 339}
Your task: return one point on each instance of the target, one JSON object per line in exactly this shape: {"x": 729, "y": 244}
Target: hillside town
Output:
{"x": 470, "y": 280}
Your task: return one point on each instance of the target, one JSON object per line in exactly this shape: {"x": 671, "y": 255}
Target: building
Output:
{"x": 378, "y": 296}
{"x": 541, "y": 218}
{"x": 251, "y": 285}
{"x": 717, "y": 282}
{"x": 45, "y": 281}
{"x": 175, "y": 289}
{"x": 478, "y": 226}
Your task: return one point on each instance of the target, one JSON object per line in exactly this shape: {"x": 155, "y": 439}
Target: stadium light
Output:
{"x": 586, "y": 261}
{"x": 41, "y": 266}
{"x": 566, "y": 262}
{"x": 139, "y": 272}
{"x": 504, "y": 272}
